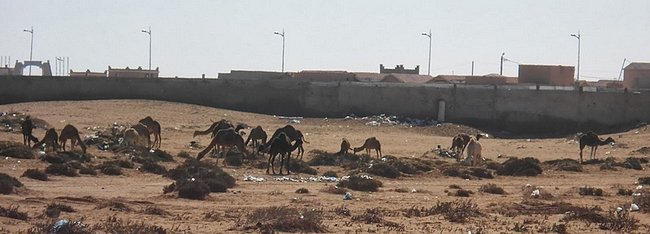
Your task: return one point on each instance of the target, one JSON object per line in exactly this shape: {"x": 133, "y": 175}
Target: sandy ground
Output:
{"x": 140, "y": 190}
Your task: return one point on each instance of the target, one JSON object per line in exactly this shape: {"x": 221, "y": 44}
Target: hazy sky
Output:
{"x": 195, "y": 37}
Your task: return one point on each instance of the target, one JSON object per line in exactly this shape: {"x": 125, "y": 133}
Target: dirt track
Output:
{"x": 220, "y": 212}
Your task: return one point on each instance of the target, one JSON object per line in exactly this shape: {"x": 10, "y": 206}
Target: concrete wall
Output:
{"x": 514, "y": 108}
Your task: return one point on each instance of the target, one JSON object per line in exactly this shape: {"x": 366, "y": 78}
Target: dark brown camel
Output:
{"x": 292, "y": 134}
{"x": 71, "y": 133}
{"x": 370, "y": 143}
{"x": 214, "y": 128}
{"x": 257, "y": 134}
{"x": 154, "y": 128}
{"x": 591, "y": 139}
{"x": 49, "y": 140}
{"x": 281, "y": 145}
{"x": 458, "y": 144}
{"x": 345, "y": 146}
{"x": 27, "y": 126}
{"x": 225, "y": 138}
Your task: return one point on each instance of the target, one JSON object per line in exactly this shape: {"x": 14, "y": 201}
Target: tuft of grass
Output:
{"x": 35, "y": 174}
{"x": 463, "y": 193}
{"x": 115, "y": 225}
{"x": 184, "y": 154}
{"x": 625, "y": 192}
{"x": 152, "y": 210}
{"x": 16, "y": 150}
{"x": 285, "y": 219}
{"x": 12, "y": 212}
{"x": 565, "y": 165}
{"x": 111, "y": 169}
{"x": 299, "y": 166}
{"x": 457, "y": 211}
{"x": 619, "y": 221}
{"x": 209, "y": 174}
{"x": 361, "y": 183}
{"x": 342, "y": 210}
{"x": 491, "y": 188}
{"x": 61, "y": 207}
{"x": 590, "y": 191}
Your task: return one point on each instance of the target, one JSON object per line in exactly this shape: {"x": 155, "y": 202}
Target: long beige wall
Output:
{"x": 503, "y": 107}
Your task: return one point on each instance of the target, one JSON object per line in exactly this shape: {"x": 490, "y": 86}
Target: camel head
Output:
{"x": 478, "y": 136}
{"x": 357, "y": 149}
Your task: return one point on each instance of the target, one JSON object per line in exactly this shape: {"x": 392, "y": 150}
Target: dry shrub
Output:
{"x": 361, "y": 183}
{"x": 12, "y": 212}
{"x": 235, "y": 159}
{"x": 302, "y": 190}
{"x": 455, "y": 186}
{"x": 209, "y": 174}
{"x": 383, "y": 169}
{"x": 154, "y": 168}
{"x": 520, "y": 167}
{"x": 184, "y": 154}
{"x": 342, "y": 210}
{"x": 590, "y": 191}
{"x": 322, "y": 158}
{"x": 60, "y": 226}
{"x": 492, "y": 188}
{"x": 585, "y": 213}
{"x": 299, "y": 166}
{"x": 152, "y": 210}
{"x": 330, "y": 174}
{"x": 285, "y": 219}
{"x": 116, "y": 225}
{"x": 620, "y": 221}
{"x": 35, "y": 174}
{"x": 542, "y": 193}
{"x": 196, "y": 190}
{"x": 644, "y": 180}
{"x": 632, "y": 163}
{"x": 15, "y": 150}
{"x": 111, "y": 169}
{"x": 7, "y": 183}
{"x": 402, "y": 190}
{"x": 463, "y": 193}
{"x": 334, "y": 190}
{"x": 64, "y": 169}
{"x": 458, "y": 211}
{"x": 66, "y": 157}
{"x": 643, "y": 201}
{"x": 481, "y": 173}
{"x": 564, "y": 165}
{"x": 120, "y": 162}
{"x": 114, "y": 205}
{"x": 374, "y": 216}
{"x": 61, "y": 207}
{"x": 625, "y": 192}
{"x": 141, "y": 154}
{"x": 87, "y": 171}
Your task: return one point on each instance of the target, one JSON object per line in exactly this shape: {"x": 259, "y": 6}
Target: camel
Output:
{"x": 256, "y": 134}
{"x": 458, "y": 144}
{"x": 143, "y": 132}
{"x": 281, "y": 145}
{"x": 50, "y": 139}
{"x": 71, "y": 133}
{"x": 474, "y": 149}
{"x": 370, "y": 143}
{"x": 591, "y": 139}
{"x": 214, "y": 128}
{"x": 345, "y": 146}
{"x": 225, "y": 138}
{"x": 292, "y": 134}
{"x": 27, "y": 126}
{"x": 131, "y": 138}
{"x": 154, "y": 128}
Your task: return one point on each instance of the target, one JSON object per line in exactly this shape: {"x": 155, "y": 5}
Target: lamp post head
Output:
{"x": 576, "y": 36}
{"x": 279, "y": 33}
{"x": 29, "y": 31}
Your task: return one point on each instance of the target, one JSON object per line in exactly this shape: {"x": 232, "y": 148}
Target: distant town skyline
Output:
{"x": 210, "y": 37}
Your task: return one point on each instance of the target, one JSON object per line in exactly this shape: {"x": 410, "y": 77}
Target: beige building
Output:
{"x": 555, "y": 75}
{"x": 637, "y": 76}
{"x": 88, "y": 73}
{"x": 325, "y": 76}
{"x": 132, "y": 73}
{"x": 407, "y": 78}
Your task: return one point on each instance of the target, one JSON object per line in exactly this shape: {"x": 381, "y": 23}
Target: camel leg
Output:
{"x": 268, "y": 164}
{"x": 595, "y": 149}
{"x": 581, "y": 148}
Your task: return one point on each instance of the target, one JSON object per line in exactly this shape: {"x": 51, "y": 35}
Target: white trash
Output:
{"x": 634, "y": 207}
{"x": 347, "y": 196}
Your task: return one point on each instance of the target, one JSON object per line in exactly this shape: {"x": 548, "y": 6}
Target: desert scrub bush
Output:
{"x": 207, "y": 173}
{"x": 520, "y": 167}
{"x": 619, "y": 221}
{"x": 12, "y": 212}
{"x": 61, "y": 207}
{"x": 196, "y": 190}
{"x": 152, "y": 210}
{"x": 590, "y": 191}
{"x": 644, "y": 180}
{"x": 457, "y": 211}
{"x": 334, "y": 190}
{"x": 285, "y": 219}
{"x": 35, "y": 174}
{"x": 16, "y": 150}
{"x": 184, "y": 154}
{"x": 565, "y": 165}
{"x": 463, "y": 193}
{"x": 7, "y": 183}
{"x": 360, "y": 183}
{"x": 374, "y": 215}
{"x": 154, "y": 168}
{"x": 383, "y": 169}
{"x": 299, "y": 166}
{"x": 111, "y": 169}
{"x": 87, "y": 171}
{"x": 491, "y": 188}
{"x": 61, "y": 169}
{"x": 115, "y": 225}
{"x": 302, "y": 190}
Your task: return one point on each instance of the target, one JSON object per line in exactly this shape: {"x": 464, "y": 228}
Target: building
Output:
{"x": 489, "y": 79}
{"x": 369, "y": 76}
{"x": 253, "y": 75}
{"x": 399, "y": 69}
{"x": 18, "y": 69}
{"x": 447, "y": 79}
{"x": 88, "y": 73}
{"x": 554, "y": 75}
{"x": 132, "y": 73}
{"x": 636, "y": 76}
{"x": 407, "y": 78}
{"x": 605, "y": 84}
{"x": 325, "y": 76}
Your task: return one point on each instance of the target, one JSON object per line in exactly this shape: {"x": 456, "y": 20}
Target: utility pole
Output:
{"x": 148, "y": 32}
{"x": 501, "y": 67}
{"x": 429, "y": 64}
{"x": 578, "y": 69}
{"x": 472, "y": 68}
{"x": 31, "y": 47}
{"x": 282, "y": 35}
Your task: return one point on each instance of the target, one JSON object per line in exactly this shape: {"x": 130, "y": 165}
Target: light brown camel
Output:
{"x": 49, "y": 140}
{"x": 474, "y": 156}
{"x": 154, "y": 128}
{"x": 143, "y": 132}
{"x": 370, "y": 143}
{"x": 281, "y": 145}
{"x": 225, "y": 138}
{"x": 257, "y": 134}
{"x": 591, "y": 139}
{"x": 458, "y": 144}
{"x": 345, "y": 146}
{"x": 71, "y": 133}
{"x": 26, "y": 127}
{"x": 131, "y": 138}
{"x": 214, "y": 128}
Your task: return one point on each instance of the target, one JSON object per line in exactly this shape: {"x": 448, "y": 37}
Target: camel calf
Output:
{"x": 143, "y": 132}
{"x": 71, "y": 133}
{"x": 225, "y": 138}
{"x": 49, "y": 140}
{"x": 131, "y": 138}
{"x": 370, "y": 143}
{"x": 458, "y": 144}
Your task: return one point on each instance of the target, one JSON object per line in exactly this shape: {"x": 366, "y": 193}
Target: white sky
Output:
{"x": 195, "y": 37}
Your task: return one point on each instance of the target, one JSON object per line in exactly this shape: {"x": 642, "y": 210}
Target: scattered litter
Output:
{"x": 347, "y": 196}
{"x": 639, "y": 187}
{"x": 414, "y": 190}
{"x": 294, "y": 121}
{"x": 60, "y": 226}
{"x": 289, "y": 118}
{"x": 535, "y": 193}
{"x": 253, "y": 178}
{"x": 634, "y": 207}
{"x": 619, "y": 209}
{"x": 373, "y": 123}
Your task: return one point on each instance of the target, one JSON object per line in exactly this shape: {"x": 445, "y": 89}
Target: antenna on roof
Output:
{"x": 621, "y": 71}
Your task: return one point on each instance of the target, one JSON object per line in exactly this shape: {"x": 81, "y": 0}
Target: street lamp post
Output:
{"x": 148, "y": 32}
{"x": 429, "y": 64}
{"x": 31, "y": 47}
{"x": 501, "y": 66}
{"x": 578, "y": 68}
{"x": 282, "y": 35}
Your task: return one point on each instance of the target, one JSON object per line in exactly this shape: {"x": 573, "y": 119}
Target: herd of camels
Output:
{"x": 283, "y": 142}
